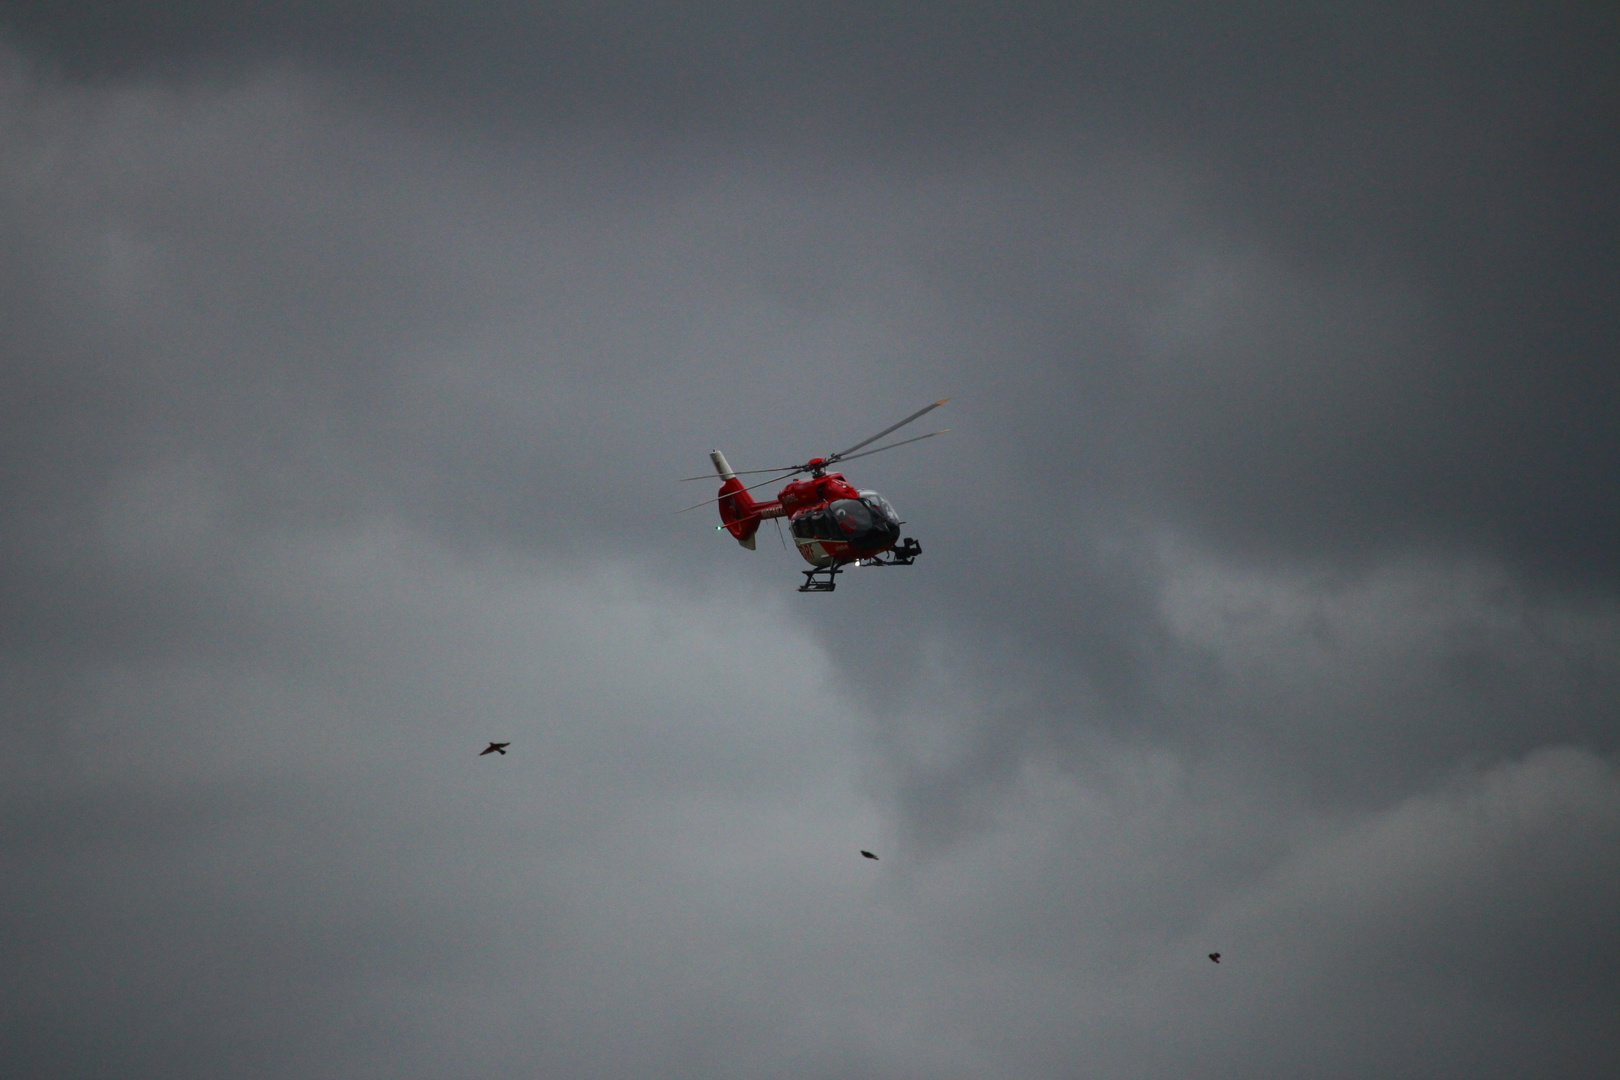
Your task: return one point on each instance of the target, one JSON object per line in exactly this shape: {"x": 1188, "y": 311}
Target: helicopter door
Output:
{"x": 811, "y": 530}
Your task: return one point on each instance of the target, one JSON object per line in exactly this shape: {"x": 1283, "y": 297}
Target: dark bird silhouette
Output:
{"x": 1215, "y": 956}
{"x": 495, "y": 748}
{"x": 869, "y": 855}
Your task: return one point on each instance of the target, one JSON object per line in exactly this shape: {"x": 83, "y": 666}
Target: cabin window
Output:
{"x": 880, "y": 507}
{"x": 815, "y": 524}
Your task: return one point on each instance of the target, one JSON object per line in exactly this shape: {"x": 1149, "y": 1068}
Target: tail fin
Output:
{"x": 739, "y": 514}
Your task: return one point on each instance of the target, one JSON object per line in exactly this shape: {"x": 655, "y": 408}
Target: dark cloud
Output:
{"x": 1267, "y": 601}
{"x": 1401, "y": 158}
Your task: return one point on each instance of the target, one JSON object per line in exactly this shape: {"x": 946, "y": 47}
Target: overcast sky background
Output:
{"x": 1270, "y": 595}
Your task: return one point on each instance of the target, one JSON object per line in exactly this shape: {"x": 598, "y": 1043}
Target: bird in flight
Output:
{"x": 869, "y": 855}
{"x": 495, "y": 748}
{"x": 1215, "y": 956}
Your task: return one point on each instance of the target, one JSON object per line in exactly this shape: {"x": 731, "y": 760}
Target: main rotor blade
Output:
{"x": 729, "y": 494}
{"x": 892, "y": 427}
{"x": 743, "y": 472}
{"x": 892, "y": 445}
{"x": 791, "y": 469}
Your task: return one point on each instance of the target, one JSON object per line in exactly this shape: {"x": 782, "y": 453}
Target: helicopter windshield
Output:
{"x": 880, "y": 507}
{"x": 867, "y": 526}
{"x": 852, "y": 516}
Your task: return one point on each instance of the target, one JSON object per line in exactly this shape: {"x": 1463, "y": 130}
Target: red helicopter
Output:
{"x": 833, "y": 523}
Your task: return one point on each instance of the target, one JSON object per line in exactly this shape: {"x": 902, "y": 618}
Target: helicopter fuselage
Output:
{"x": 834, "y": 523}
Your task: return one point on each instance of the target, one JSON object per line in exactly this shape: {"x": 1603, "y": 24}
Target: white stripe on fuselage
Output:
{"x": 813, "y": 550}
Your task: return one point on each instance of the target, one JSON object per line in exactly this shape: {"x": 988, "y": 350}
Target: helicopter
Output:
{"x": 833, "y": 523}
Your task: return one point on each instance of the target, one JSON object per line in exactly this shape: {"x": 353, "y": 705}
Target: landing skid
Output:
{"x": 820, "y": 579}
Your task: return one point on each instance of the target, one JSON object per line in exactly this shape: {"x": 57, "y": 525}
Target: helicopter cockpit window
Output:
{"x": 880, "y": 506}
{"x": 852, "y": 517}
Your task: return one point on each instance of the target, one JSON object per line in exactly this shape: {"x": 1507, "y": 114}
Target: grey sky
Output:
{"x": 1268, "y": 602}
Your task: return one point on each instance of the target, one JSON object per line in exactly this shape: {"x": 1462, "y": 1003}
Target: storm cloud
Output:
{"x": 1268, "y": 602}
